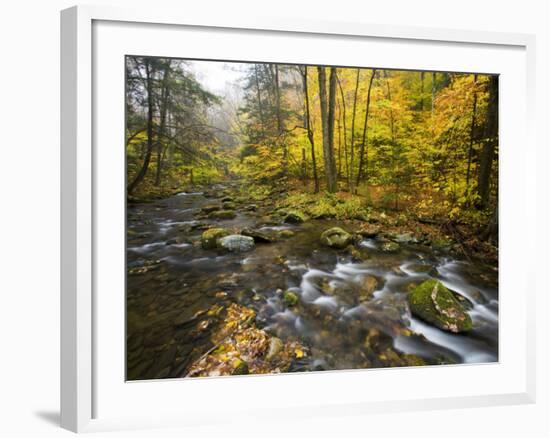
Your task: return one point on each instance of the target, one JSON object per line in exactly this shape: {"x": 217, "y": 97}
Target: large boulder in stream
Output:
{"x": 435, "y": 304}
{"x": 236, "y": 243}
{"x": 336, "y": 238}
{"x": 209, "y": 238}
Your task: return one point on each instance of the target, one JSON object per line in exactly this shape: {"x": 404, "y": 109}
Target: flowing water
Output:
{"x": 172, "y": 282}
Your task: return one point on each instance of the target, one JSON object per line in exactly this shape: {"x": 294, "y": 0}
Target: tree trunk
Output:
{"x": 149, "y": 151}
{"x": 163, "y": 106}
{"x": 259, "y": 97}
{"x": 489, "y": 145}
{"x": 327, "y": 118}
{"x": 352, "y": 145}
{"x": 394, "y": 157}
{"x": 280, "y": 133}
{"x": 472, "y": 132}
{"x": 364, "y": 152}
{"x": 346, "y": 157}
{"x": 310, "y": 133}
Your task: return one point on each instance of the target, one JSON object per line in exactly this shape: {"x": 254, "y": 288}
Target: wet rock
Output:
{"x": 377, "y": 341}
{"x": 435, "y": 304}
{"x": 367, "y": 287}
{"x": 236, "y": 243}
{"x": 227, "y": 199}
{"x": 210, "y": 208}
{"x": 290, "y": 298}
{"x": 251, "y": 207}
{"x": 421, "y": 268}
{"x": 389, "y": 247}
{"x": 229, "y": 205}
{"x": 357, "y": 254}
{"x": 210, "y": 237}
{"x": 336, "y": 238}
{"x": 404, "y": 238}
{"x": 465, "y": 302}
{"x": 258, "y": 236}
{"x": 275, "y": 347}
{"x": 294, "y": 217}
{"x": 285, "y": 234}
{"x": 222, "y": 214}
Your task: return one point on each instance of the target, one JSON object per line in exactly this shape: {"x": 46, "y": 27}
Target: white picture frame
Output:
{"x": 81, "y": 273}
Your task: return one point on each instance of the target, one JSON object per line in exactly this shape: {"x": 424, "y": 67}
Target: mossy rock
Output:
{"x": 435, "y": 304}
{"x": 209, "y": 208}
{"x": 209, "y": 238}
{"x": 223, "y": 214}
{"x": 357, "y": 254}
{"x": 290, "y": 298}
{"x": 390, "y": 247}
{"x": 227, "y": 199}
{"x": 285, "y": 234}
{"x": 228, "y": 205}
{"x": 336, "y": 237}
{"x": 294, "y": 217}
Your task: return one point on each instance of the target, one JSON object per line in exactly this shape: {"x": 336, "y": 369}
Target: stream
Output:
{"x": 172, "y": 282}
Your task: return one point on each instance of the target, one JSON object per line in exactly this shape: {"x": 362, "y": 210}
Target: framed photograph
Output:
{"x": 265, "y": 207}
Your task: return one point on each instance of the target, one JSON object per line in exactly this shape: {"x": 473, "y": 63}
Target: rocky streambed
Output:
{"x": 223, "y": 283}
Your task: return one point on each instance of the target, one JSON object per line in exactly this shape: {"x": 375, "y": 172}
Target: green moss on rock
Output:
{"x": 294, "y": 217}
{"x": 336, "y": 238}
{"x": 435, "y": 304}
{"x": 209, "y": 238}
{"x": 290, "y": 298}
{"x": 222, "y": 214}
{"x": 285, "y": 234}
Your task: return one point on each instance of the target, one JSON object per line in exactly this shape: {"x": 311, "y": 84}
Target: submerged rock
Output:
{"x": 421, "y": 268}
{"x": 435, "y": 304}
{"x": 357, "y": 254}
{"x": 285, "y": 234}
{"x": 258, "y": 236}
{"x": 236, "y": 243}
{"x": 336, "y": 238}
{"x": 210, "y": 237}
